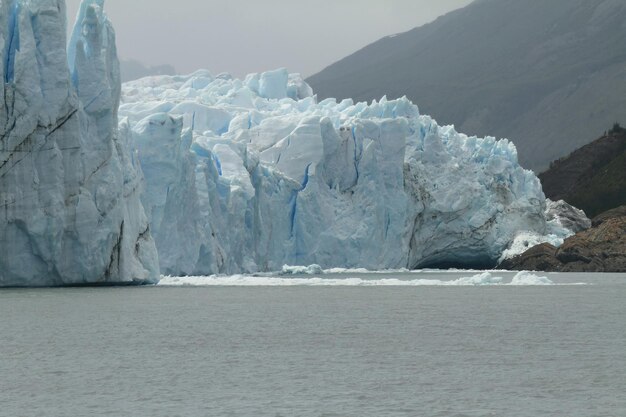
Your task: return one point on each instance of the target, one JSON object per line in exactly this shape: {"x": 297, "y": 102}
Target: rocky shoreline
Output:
{"x": 602, "y": 248}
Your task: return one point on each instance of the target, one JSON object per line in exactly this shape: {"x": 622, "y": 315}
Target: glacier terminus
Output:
{"x": 250, "y": 175}
{"x": 70, "y": 209}
{"x": 200, "y": 174}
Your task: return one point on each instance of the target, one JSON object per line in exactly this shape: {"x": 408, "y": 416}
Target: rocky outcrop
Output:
{"x": 599, "y": 249}
{"x": 606, "y": 216}
{"x": 70, "y": 209}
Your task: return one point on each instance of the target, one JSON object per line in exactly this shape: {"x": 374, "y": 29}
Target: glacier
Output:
{"x": 200, "y": 174}
{"x": 249, "y": 175}
{"x": 70, "y": 208}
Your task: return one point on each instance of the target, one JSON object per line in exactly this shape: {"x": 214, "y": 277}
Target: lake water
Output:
{"x": 323, "y": 349}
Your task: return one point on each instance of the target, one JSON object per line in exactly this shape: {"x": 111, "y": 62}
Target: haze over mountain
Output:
{"x": 243, "y": 36}
{"x": 549, "y": 75}
{"x": 132, "y": 69}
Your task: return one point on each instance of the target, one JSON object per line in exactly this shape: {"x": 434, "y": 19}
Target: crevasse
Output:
{"x": 13, "y": 42}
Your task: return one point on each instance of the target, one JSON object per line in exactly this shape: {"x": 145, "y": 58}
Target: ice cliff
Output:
{"x": 249, "y": 175}
{"x": 70, "y": 209}
{"x": 240, "y": 175}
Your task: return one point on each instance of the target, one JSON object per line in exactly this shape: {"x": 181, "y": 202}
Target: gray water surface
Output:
{"x": 317, "y": 351}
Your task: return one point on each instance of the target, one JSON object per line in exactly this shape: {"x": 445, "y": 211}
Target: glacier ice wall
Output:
{"x": 249, "y": 175}
{"x": 70, "y": 209}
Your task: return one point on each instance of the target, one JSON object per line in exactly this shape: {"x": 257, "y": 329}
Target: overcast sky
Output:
{"x": 243, "y": 36}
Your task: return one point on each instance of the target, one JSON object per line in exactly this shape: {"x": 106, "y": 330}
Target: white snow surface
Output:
{"x": 70, "y": 209}
{"x": 250, "y": 175}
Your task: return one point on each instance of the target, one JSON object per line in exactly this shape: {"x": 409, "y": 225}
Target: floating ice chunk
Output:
{"x": 526, "y": 278}
{"x": 486, "y": 278}
{"x": 302, "y": 270}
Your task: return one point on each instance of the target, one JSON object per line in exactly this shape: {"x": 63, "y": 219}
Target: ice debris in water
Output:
{"x": 302, "y": 270}
{"x": 479, "y": 280}
{"x": 527, "y": 278}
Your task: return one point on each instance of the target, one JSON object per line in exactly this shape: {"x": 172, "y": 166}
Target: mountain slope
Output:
{"x": 547, "y": 75}
{"x": 593, "y": 177}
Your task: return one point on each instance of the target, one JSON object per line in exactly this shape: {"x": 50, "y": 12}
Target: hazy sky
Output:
{"x": 243, "y": 36}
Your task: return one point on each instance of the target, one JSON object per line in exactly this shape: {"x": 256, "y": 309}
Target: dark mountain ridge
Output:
{"x": 546, "y": 74}
{"x": 592, "y": 178}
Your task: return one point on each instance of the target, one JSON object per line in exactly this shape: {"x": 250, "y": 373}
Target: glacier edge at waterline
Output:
{"x": 240, "y": 175}
{"x": 249, "y": 175}
{"x": 69, "y": 195}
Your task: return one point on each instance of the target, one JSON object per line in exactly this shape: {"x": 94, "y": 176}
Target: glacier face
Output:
{"x": 249, "y": 175}
{"x": 241, "y": 175}
{"x": 70, "y": 209}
